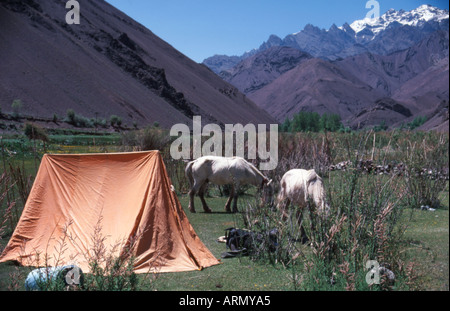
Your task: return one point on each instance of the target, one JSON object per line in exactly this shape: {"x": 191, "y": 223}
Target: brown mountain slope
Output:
{"x": 427, "y": 90}
{"x": 315, "y": 85}
{"x": 109, "y": 64}
{"x": 365, "y": 90}
{"x": 387, "y": 73}
{"x": 261, "y": 69}
{"x": 416, "y": 79}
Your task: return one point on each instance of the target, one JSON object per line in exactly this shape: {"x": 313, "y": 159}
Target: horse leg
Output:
{"x": 303, "y": 236}
{"x": 191, "y": 200}
{"x": 235, "y": 194}
{"x": 192, "y": 193}
{"x": 230, "y": 199}
{"x": 284, "y": 206}
{"x": 201, "y": 194}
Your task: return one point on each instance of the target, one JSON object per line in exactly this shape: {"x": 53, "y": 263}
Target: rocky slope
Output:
{"x": 393, "y": 31}
{"x": 365, "y": 89}
{"x": 261, "y": 69}
{"x": 107, "y": 65}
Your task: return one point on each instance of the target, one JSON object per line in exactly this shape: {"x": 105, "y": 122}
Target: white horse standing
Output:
{"x": 234, "y": 171}
{"x": 298, "y": 187}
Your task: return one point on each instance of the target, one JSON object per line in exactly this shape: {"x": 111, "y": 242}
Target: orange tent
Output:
{"x": 122, "y": 201}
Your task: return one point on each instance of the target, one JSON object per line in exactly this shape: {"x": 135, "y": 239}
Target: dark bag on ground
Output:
{"x": 243, "y": 242}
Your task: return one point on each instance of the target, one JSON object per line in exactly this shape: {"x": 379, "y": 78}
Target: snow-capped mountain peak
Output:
{"x": 424, "y": 13}
{"x": 384, "y": 35}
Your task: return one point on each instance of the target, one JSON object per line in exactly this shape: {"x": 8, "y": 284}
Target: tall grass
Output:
{"x": 110, "y": 265}
{"x": 363, "y": 226}
{"x": 427, "y": 170}
{"x": 368, "y": 211}
{"x": 151, "y": 138}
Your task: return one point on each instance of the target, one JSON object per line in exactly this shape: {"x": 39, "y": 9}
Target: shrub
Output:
{"x": 380, "y": 127}
{"x": 33, "y": 132}
{"x": 115, "y": 121}
{"x": 7, "y": 207}
{"x": 426, "y": 162}
{"x": 16, "y": 107}
{"x": 70, "y": 116}
{"x": 417, "y": 122}
{"x": 263, "y": 220}
{"x": 78, "y": 120}
{"x": 364, "y": 225}
{"x": 312, "y": 122}
{"x": 108, "y": 271}
{"x": 146, "y": 139}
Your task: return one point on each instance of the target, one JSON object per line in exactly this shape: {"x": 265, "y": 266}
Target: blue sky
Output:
{"x": 202, "y": 28}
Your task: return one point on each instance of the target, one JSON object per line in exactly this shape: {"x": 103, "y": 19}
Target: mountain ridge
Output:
{"x": 362, "y": 89}
{"x": 341, "y": 42}
{"x": 372, "y": 86}
{"x": 107, "y": 65}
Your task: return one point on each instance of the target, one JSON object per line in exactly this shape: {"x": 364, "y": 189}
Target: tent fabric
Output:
{"x": 121, "y": 201}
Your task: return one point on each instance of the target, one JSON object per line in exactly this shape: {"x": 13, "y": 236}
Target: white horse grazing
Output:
{"x": 223, "y": 171}
{"x": 298, "y": 187}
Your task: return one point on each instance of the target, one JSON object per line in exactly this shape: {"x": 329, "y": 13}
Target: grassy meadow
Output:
{"x": 374, "y": 216}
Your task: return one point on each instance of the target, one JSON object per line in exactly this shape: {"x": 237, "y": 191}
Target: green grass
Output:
{"x": 427, "y": 244}
{"x": 86, "y": 140}
{"x": 426, "y": 241}
{"x": 233, "y": 274}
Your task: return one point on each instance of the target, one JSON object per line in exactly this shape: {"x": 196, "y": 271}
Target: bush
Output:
{"x": 78, "y": 120}
{"x": 366, "y": 223}
{"x": 70, "y": 116}
{"x": 146, "y": 139}
{"x": 312, "y": 122}
{"x": 380, "y": 127}
{"x": 426, "y": 164}
{"x": 264, "y": 219}
{"x": 109, "y": 271}
{"x": 115, "y": 121}
{"x": 16, "y": 107}
{"x": 417, "y": 122}
{"x": 363, "y": 226}
{"x": 33, "y": 131}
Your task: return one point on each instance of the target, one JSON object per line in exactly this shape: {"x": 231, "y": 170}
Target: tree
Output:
{"x": 33, "y": 132}
{"x": 381, "y": 127}
{"x": 312, "y": 122}
{"x": 70, "y": 116}
{"x": 286, "y": 126}
{"x": 16, "y": 107}
{"x": 418, "y": 121}
{"x": 115, "y": 120}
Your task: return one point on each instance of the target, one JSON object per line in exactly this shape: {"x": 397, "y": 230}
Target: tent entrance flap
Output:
{"x": 122, "y": 200}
